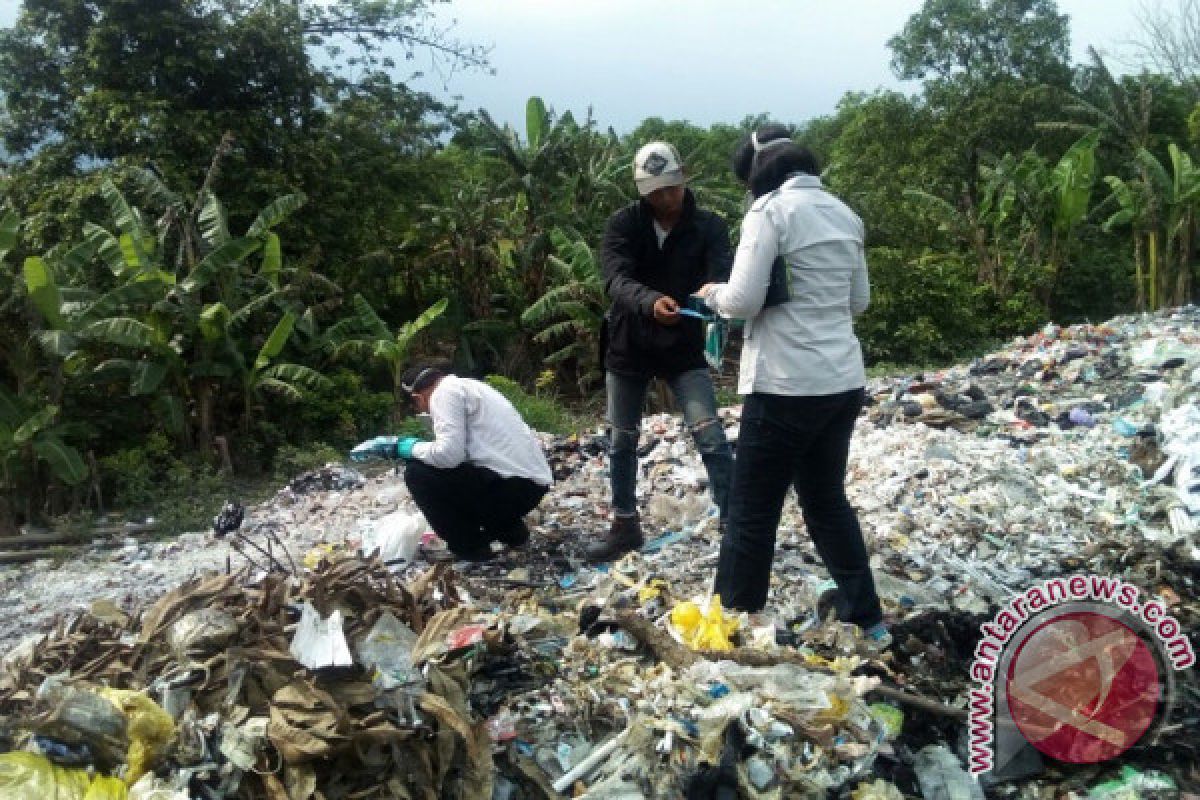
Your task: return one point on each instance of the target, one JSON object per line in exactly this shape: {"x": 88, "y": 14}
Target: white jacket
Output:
{"x": 805, "y": 346}
{"x": 474, "y": 423}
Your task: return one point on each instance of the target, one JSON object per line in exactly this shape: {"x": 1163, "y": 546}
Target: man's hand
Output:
{"x": 666, "y": 311}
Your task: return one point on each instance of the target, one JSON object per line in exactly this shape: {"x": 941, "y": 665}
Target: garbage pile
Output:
{"x": 243, "y": 685}
{"x": 351, "y": 667}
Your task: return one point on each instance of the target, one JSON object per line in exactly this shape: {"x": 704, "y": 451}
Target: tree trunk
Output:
{"x": 223, "y": 454}
{"x": 1153, "y": 243}
{"x": 1139, "y": 272}
{"x": 204, "y": 407}
{"x": 94, "y": 480}
{"x": 247, "y": 409}
{"x": 8, "y": 520}
{"x": 1183, "y": 276}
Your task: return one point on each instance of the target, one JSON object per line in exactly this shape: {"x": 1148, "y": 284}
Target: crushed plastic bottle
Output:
{"x": 942, "y": 776}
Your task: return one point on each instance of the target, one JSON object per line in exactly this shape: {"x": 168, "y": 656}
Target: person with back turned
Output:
{"x": 801, "y": 375}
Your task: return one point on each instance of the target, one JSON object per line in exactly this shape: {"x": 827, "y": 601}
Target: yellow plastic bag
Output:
{"x": 32, "y": 776}
{"x": 149, "y": 728}
{"x": 103, "y": 788}
{"x": 879, "y": 790}
{"x": 314, "y": 556}
{"x": 704, "y": 630}
{"x": 653, "y": 588}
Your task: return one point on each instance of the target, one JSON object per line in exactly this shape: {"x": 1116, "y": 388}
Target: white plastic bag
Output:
{"x": 320, "y": 642}
{"x": 395, "y": 536}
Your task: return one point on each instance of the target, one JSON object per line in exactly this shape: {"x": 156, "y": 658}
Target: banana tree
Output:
{"x": 1174, "y": 197}
{"x": 997, "y": 227}
{"x": 1135, "y": 209}
{"x": 1069, "y": 190}
{"x": 561, "y": 169}
{"x": 81, "y": 325}
{"x": 226, "y": 296}
{"x": 18, "y": 352}
{"x": 1181, "y": 222}
{"x": 365, "y": 335}
{"x": 570, "y": 314}
{"x": 30, "y": 439}
{"x": 263, "y": 376}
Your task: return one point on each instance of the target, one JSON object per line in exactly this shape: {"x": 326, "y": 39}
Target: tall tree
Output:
{"x": 88, "y": 83}
{"x": 984, "y": 40}
{"x": 986, "y": 65}
{"x": 119, "y": 77}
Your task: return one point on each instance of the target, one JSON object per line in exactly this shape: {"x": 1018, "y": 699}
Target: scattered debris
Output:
{"x": 315, "y": 650}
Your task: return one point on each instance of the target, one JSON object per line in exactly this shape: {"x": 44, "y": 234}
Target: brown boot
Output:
{"x": 624, "y": 535}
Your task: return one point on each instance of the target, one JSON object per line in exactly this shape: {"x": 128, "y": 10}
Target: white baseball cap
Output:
{"x": 657, "y": 165}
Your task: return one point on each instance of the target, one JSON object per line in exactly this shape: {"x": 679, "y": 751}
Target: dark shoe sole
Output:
{"x": 475, "y": 556}
{"x": 612, "y": 554}
{"x": 447, "y": 556}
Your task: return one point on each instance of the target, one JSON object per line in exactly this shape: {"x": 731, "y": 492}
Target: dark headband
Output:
{"x": 409, "y": 388}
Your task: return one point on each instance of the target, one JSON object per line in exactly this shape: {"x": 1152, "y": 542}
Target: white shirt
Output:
{"x": 661, "y": 233}
{"x": 472, "y": 422}
{"x": 805, "y": 346}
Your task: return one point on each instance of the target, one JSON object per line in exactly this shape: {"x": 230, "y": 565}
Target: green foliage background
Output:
{"x": 240, "y": 243}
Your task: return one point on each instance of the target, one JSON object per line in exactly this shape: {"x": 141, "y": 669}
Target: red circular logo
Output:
{"x": 1083, "y": 687}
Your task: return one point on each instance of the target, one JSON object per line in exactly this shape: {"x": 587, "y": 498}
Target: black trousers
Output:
{"x": 801, "y": 442}
{"x": 470, "y": 506}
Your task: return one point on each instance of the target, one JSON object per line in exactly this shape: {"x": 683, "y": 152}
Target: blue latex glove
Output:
{"x": 404, "y": 448}
{"x": 379, "y": 447}
{"x": 699, "y": 303}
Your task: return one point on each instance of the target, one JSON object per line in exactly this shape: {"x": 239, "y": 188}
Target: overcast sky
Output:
{"x": 701, "y": 60}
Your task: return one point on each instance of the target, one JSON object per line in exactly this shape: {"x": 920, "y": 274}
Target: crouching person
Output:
{"x": 482, "y": 473}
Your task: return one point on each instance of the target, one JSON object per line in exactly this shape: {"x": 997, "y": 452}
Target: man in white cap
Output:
{"x": 656, "y": 252}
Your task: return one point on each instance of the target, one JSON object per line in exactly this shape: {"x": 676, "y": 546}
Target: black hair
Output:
{"x": 775, "y": 165}
{"x": 420, "y": 377}
{"x": 743, "y": 153}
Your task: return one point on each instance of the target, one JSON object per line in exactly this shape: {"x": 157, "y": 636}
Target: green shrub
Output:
{"x": 182, "y": 495}
{"x": 291, "y": 460}
{"x": 133, "y": 477}
{"x": 923, "y": 310}
{"x": 540, "y": 412}
{"x": 342, "y": 414}
{"x": 193, "y": 494}
{"x": 412, "y": 426}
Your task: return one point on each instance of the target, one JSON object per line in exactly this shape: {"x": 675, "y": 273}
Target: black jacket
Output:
{"x": 637, "y": 272}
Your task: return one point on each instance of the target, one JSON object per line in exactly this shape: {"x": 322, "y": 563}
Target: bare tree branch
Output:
{"x": 1170, "y": 39}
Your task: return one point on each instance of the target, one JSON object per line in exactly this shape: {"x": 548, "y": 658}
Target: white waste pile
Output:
{"x": 1070, "y": 451}
{"x": 1074, "y": 450}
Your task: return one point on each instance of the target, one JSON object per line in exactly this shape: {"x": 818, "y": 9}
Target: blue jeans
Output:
{"x": 799, "y": 442}
{"x": 693, "y": 391}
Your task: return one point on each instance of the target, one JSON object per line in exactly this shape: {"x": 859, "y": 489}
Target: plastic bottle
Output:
{"x": 942, "y": 777}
